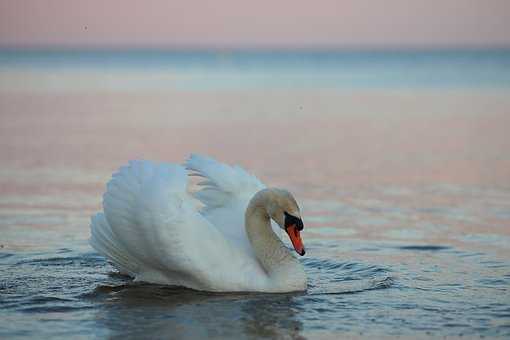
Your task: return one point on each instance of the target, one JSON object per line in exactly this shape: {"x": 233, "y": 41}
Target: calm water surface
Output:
{"x": 405, "y": 196}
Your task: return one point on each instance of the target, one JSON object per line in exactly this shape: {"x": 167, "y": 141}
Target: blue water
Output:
{"x": 76, "y": 293}
{"x": 389, "y": 255}
{"x": 56, "y": 286}
{"x": 206, "y": 70}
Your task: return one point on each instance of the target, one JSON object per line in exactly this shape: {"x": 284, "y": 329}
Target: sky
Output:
{"x": 255, "y": 23}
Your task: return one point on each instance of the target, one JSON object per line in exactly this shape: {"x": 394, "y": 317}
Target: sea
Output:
{"x": 399, "y": 160}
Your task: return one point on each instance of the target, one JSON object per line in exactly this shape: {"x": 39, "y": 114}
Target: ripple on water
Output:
{"x": 84, "y": 289}
{"x": 424, "y": 247}
{"x": 332, "y": 277}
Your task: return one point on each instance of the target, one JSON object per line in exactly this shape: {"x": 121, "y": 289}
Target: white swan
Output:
{"x": 153, "y": 231}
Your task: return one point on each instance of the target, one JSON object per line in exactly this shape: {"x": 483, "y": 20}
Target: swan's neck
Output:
{"x": 276, "y": 259}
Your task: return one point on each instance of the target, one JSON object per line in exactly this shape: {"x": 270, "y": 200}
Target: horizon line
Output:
{"x": 251, "y": 48}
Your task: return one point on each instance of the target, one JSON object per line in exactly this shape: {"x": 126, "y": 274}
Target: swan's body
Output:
{"x": 152, "y": 230}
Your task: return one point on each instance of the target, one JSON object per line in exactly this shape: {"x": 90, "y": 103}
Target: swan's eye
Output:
{"x": 293, "y": 220}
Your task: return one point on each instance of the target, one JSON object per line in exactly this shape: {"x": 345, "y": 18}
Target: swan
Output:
{"x": 156, "y": 230}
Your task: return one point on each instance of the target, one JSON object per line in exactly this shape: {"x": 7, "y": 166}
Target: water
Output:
{"x": 210, "y": 71}
{"x": 403, "y": 181}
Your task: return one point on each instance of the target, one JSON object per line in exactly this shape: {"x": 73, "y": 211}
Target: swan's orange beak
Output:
{"x": 295, "y": 238}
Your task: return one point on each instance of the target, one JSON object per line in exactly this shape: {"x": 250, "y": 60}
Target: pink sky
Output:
{"x": 257, "y": 23}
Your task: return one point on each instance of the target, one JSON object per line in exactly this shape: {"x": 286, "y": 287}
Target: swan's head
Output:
{"x": 284, "y": 210}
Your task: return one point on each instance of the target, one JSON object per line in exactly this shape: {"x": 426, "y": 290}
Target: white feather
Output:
{"x": 226, "y": 193}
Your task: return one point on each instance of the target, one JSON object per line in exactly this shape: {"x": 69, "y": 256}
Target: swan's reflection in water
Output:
{"x": 273, "y": 316}
{"x": 149, "y": 311}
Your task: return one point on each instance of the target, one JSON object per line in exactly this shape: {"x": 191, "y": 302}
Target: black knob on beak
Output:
{"x": 293, "y": 220}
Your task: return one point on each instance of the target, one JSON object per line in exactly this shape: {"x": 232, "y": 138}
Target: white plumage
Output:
{"x": 152, "y": 230}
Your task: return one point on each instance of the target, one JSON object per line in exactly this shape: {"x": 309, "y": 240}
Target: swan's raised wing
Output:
{"x": 151, "y": 230}
{"x": 225, "y": 192}
{"x": 222, "y": 183}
